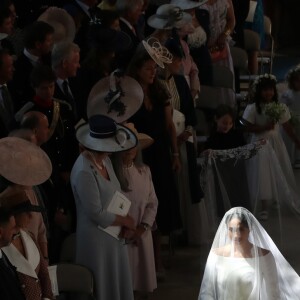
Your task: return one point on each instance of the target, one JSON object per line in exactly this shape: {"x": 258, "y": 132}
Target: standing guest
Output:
{"x": 65, "y": 63}
{"x": 83, "y": 12}
{"x": 155, "y": 119}
{"x": 38, "y": 42}
{"x": 38, "y": 123}
{"x": 221, "y": 25}
{"x": 100, "y": 60}
{"x": 136, "y": 182}
{"x": 94, "y": 184}
{"x": 23, "y": 252}
{"x": 7, "y": 121}
{"x": 130, "y": 12}
{"x": 17, "y": 157}
{"x": 10, "y": 287}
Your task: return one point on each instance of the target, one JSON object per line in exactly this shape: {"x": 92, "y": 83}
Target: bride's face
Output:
{"x": 237, "y": 231}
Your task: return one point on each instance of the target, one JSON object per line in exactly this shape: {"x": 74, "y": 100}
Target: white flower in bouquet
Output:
{"x": 274, "y": 111}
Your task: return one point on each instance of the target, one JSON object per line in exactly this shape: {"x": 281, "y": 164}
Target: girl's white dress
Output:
{"x": 274, "y": 137}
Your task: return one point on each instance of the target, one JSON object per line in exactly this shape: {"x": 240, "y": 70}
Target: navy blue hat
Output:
{"x": 103, "y": 134}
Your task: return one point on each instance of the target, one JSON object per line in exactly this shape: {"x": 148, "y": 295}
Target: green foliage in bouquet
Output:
{"x": 274, "y": 111}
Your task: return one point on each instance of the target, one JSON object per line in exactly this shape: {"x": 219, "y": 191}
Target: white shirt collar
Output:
{"x": 33, "y": 59}
{"x": 84, "y": 7}
{"x": 60, "y": 82}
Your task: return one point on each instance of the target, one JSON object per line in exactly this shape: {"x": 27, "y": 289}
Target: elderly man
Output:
{"x": 65, "y": 63}
{"x": 9, "y": 283}
{"x": 130, "y": 12}
{"x": 7, "y": 121}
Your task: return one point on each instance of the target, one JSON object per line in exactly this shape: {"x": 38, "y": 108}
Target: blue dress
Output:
{"x": 104, "y": 255}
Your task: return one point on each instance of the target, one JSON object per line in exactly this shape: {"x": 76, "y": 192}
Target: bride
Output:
{"x": 245, "y": 264}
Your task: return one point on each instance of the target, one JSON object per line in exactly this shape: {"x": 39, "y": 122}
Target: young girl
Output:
{"x": 224, "y": 135}
{"x": 258, "y": 122}
{"x": 291, "y": 97}
{"x": 136, "y": 183}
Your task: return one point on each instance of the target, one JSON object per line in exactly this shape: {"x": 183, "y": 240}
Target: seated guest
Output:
{"x": 10, "y": 287}
{"x": 38, "y": 42}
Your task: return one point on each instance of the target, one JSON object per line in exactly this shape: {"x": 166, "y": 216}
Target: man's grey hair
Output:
{"x": 62, "y": 51}
{"x": 124, "y": 6}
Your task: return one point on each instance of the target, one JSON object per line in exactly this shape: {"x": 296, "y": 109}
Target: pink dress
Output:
{"x": 143, "y": 210}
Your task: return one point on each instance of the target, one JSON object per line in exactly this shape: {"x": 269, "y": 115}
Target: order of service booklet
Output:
{"x": 119, "y": 205}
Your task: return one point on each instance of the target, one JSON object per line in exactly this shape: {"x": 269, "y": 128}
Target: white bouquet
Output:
{"x": 274, "y": 111}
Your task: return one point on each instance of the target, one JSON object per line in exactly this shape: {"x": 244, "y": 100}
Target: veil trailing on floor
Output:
{"x": 244, "y": 176}
{"x": 245, "y": 264}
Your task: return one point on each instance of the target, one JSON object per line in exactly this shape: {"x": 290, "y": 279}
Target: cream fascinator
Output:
{"x": 158, "y": 53}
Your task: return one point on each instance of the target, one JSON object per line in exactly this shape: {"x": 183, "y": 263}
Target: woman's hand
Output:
{"x": 183, "y": 137}
{"x": 128, "y": 222}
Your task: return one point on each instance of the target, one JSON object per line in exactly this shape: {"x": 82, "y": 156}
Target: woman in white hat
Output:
{"x": 94, "y": 184}
{"x": 155, "y": 119}
{"x": 136, "y": 182}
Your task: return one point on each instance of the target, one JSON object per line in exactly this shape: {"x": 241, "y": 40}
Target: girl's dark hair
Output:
{"x": 223, "y": 110}
{"x": 157, "y": 93}
{"x": 263, "y": 83}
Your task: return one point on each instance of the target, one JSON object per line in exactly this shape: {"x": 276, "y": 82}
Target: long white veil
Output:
{"x": 262, "y": 273}
{"x": 234, "y": 177}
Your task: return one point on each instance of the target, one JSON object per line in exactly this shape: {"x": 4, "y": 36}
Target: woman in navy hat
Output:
{"x": 94, "y": 184}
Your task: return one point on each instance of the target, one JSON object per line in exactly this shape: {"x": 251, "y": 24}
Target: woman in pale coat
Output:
{"x": 94, "y": 184}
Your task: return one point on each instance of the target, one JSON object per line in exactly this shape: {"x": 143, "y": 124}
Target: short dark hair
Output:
{"x": 40, "y": 74}
{"x": 36, "y": 32}
{"x": 223, "y": 110}
{"x": 5, "y": 215}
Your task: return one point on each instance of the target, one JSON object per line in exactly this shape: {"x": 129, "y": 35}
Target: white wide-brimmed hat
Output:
{"x": 61, "y": 21}
{"x": 168, "y": 16}
{"x": 23, "y": 162}
{"x": 118, "y": 97}
{"x": 187, "y": 4}
{"x": 144, "y": 139}
{"x": 158, "y": 53}
{"x": 103, "y": 134}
